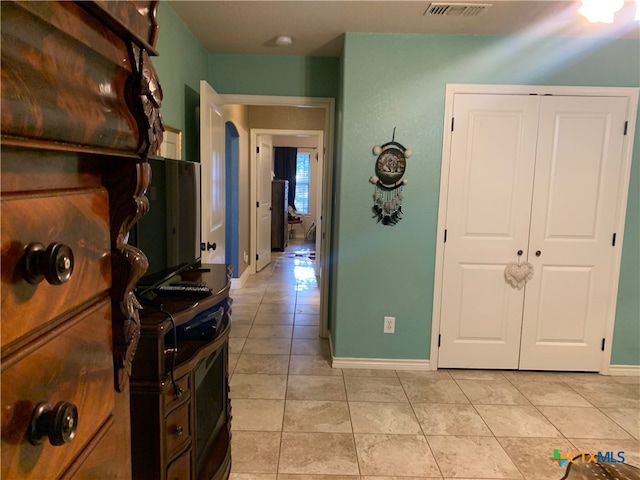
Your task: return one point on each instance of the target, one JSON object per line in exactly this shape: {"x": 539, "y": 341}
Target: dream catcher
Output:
{"x": 388, "y": 182}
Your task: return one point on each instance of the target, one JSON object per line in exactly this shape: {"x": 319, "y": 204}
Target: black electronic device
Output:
{"x": 202, "y": 326}
{"x": 188, "y": 284}
{"x": 169, "y": 234}
{"x": 186, "y": 290}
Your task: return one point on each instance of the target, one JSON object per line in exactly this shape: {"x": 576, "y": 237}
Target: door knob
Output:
{"x": 59, "y": 423}
{"x": 211, "y": 246}
{"x": 538, "y": 253}
{"x": 55, "y": 263}
{"x": 520, "y": 252}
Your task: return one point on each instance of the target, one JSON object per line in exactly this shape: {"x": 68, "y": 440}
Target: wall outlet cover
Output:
{"x": 389, "y": 324}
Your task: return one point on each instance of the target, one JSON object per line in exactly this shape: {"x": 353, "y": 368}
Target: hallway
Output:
{"x": 296, "y": 418}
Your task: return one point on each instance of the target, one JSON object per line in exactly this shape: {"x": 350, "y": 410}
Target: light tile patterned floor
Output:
{"x": 296, "y": 418}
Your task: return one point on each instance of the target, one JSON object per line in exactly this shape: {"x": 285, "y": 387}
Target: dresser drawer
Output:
{"x": 180, "y": 468}
{"x": 74, "y": 365}
{"x": 170, "y": 397}
{"x": 178, "y": 428}
{"x": 98, "y": 463}
{"x": 78, "y": 220}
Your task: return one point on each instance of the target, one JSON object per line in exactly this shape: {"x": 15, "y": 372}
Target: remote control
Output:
{"x": 183, "y": 290}
{"x": 188, "y": 284}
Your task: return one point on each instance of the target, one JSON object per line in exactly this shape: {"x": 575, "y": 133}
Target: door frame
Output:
{"x": 631, "y": 93}
{"x": 319, "y": 138}
{"x": 326, "y": 206}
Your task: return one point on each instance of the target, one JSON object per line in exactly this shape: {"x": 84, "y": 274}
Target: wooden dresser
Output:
{"x": 80, "y": 115}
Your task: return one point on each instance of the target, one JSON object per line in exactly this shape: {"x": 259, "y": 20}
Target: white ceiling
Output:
{"x": 317, "y": 27}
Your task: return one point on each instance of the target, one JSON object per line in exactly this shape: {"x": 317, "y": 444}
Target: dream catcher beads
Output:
{"x": 388, "y": 183}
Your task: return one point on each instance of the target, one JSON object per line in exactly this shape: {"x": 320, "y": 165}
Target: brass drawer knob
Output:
{"x": 55, "y": 263}
{"x": 58, "y": 423}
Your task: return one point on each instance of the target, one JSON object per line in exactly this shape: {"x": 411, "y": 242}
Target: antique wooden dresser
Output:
{"x": 80, "y": 115}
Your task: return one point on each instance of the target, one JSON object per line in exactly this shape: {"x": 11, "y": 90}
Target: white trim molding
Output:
{"x": 376, "y": 363}
{"x": 379, "y": 363}
{"x": 239, "y": 282}
{"x": 326, "y": 206}
{"x": 624, "y": 370}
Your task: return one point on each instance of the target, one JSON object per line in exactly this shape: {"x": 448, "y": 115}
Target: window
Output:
{"x": 303, "y": 179}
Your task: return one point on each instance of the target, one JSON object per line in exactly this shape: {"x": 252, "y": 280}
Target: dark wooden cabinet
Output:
{"x": 279, "y": 205}
{"x": 180, "y": 411}
{"x": 80, "y": 115}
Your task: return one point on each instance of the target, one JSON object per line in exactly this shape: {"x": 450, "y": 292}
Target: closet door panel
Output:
{"x": 577, "y": 175}
{"x": 488, "y": 214}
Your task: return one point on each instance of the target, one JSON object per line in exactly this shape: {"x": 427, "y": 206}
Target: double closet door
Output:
{"x": 538, "y": 175}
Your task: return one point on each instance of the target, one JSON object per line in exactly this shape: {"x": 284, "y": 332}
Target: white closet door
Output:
{"x": 488, "y": 213}
{"x": 573, "y": 219}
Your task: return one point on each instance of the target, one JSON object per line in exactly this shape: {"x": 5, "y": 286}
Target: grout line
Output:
{"x": 353, "y": 432}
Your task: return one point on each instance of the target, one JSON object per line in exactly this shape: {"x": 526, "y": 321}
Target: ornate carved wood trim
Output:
{"x": 127, "y": 182}
{"x": 131, "y": 181}
{"x": 151, "y": 101}
{"x": 129, "y": 263}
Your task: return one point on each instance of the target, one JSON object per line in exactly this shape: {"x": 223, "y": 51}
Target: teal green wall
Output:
{"x": 399, "y": 81}
{"x": 387, "y": 81}
{"x": 626, "y": 336}
{"x": 286, "y": 75}
{"x": 181, "y": 64}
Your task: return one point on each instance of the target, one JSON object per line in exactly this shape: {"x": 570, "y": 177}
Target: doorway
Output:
{"x": 325, "y": 153}
{"x": 232, "y": 156}
{"x": 314, "y": 141}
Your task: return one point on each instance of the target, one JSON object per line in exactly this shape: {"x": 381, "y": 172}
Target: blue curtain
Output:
{"x": 284, "y": 164}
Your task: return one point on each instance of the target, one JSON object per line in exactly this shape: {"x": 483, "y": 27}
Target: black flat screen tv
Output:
{"x": 169, "y": 234}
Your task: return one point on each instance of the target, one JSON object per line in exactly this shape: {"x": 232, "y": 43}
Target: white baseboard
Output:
{"x": 239, "y": 282}
{"x": 624, "y": 370}
{"x": 376, "y": 363}
{"x": 379, "y": 363}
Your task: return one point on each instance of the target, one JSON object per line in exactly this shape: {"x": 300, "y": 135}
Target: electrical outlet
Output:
{"x": 245, "y": 257}
{"x": 389, "y": 324}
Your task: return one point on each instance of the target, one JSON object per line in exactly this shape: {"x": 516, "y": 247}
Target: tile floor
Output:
{"x": 296, "y": 418}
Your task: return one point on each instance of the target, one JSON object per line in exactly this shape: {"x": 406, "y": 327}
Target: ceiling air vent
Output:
{"x": 441, "y": 9}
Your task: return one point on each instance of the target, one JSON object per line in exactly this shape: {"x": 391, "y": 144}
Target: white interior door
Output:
{"x": 263, "y": 204}
{"x": 320, "y": 207}
{"x": 577, "y": 178}
{"x": 213, "y": 183}
{"x": 540, "y": 174}
{"x": 490, "y": 184}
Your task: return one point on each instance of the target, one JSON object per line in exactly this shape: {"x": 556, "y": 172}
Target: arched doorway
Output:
{"x": 232, "y": 235}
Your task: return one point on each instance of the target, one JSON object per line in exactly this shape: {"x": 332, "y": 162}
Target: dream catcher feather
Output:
{"x": 388, "y": 182}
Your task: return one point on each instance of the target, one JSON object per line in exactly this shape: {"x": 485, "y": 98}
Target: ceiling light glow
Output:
{"x": 284, "y": 40}
{"x": 600, "y": 10}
